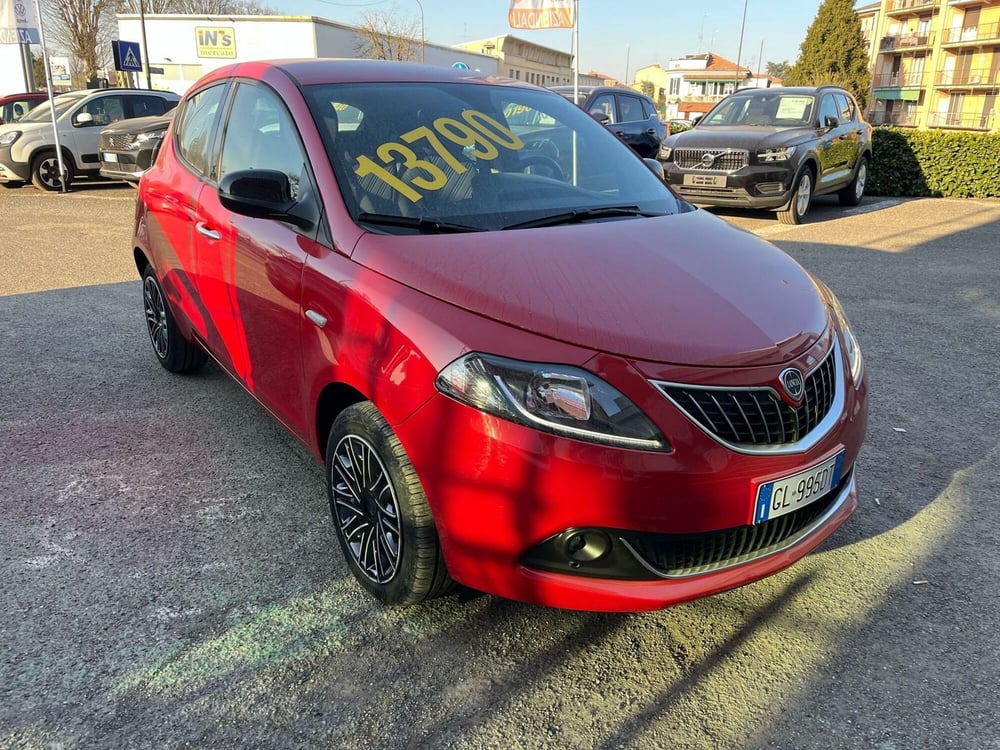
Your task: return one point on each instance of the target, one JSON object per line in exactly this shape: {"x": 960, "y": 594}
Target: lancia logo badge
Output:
{"x": 793, "y": 383}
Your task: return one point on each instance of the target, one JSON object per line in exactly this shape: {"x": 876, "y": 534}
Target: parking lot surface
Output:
{"x": 169, "y": 576}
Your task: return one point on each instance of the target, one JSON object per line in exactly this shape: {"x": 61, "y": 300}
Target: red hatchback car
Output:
{"x": 528, "y": 366}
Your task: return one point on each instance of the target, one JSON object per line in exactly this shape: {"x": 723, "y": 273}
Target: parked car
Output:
{"x": 679, "y": 126}
{"x": 27, "y": 147}
{"x": 774, "y": 148}
{"x": 628, "y": 114}
{"x": 574, "y": 389}
{"x": 127, "y": 148}
{"x": 15, "y": 106}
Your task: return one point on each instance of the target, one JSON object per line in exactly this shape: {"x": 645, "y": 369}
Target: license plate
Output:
{"x": 797, "y": 491}
{"x": 705, "y": 180}
{"x": 106, "y": 156}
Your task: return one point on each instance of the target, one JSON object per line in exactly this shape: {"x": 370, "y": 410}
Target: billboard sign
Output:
{"x": 541, "y": 14}
{"x": 18, "y": 24}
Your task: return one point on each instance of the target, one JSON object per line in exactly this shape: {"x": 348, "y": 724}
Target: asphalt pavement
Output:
{"x": 169, "y": 576}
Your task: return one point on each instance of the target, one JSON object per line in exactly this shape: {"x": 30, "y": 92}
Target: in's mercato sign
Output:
{"x": 215, "y": 41}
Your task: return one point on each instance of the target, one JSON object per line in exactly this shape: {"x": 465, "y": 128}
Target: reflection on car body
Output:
{"x": 527, "y": 366}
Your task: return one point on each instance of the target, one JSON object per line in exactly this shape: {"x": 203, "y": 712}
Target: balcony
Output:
{"x": 968, "y": 79}
{"x": 902, "y": 7}
{"x": 958, "y": 121}
{"x": 982, "y": 34}
{"x": 898, "y": 80}
{"x": 905, "y": 42}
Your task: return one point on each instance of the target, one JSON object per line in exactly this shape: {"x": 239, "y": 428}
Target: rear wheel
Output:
{"x": 853, "y": 193}
{"x": 379, "y": 510}
{"x": 172, "y": 350}
{"x": 795, "y": 211}
{"x": 45, "y": 172}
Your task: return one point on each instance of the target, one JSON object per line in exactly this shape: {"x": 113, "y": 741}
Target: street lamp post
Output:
{"x": 739, "y": 52}
{"x": 422, "y": 43}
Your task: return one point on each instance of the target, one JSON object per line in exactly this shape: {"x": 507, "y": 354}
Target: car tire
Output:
{"x": 171, "y": 349}
{"x": 45, "y": 171}
{"x": 380, "y": 512}
{"x": 853, "y": 193}
{"x": 798, "y": 206}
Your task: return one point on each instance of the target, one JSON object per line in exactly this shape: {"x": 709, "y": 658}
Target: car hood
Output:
{"x": 140, "y": 124}
{"x": 752, "y": 138}
{"x": 684, "y": 289}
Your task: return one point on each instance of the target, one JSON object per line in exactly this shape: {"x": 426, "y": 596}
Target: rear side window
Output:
{"x": 194, "y": 129}
{"x": 647, "y": 109}
{"x": 147, "y": 106}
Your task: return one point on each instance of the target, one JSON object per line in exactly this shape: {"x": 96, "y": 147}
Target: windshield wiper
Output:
{"x": 422, "y": 225}
{"x": 582, "y": 214}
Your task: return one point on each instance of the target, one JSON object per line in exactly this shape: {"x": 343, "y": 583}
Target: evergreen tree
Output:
{"x": 834, "y": 51}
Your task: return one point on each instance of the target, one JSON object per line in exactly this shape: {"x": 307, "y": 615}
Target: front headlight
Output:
{"x": 560, "y": 399}
{"x": 775, "y": 154}
{"x": 851, "y": 349}
{"x": 8, "y": 138}
{"x": 665, "y": 152}
{"x": 153, "y": 135}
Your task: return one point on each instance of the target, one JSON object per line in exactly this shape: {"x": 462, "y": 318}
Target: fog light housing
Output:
{"x": 771, "y": 188}
{"x": 584, "y": 545}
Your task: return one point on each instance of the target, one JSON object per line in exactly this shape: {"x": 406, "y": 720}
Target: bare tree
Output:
{"x": 388, "y": 35}
{"x": 82, "y": 28}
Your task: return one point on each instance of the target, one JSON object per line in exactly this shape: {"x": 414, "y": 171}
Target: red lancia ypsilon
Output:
{"x": 528, "y": 366}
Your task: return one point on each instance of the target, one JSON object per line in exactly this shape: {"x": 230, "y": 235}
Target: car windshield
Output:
{"x": 771, "y": 109}
{"x": 63, "y": 102}
{"x": 471, "y": 157}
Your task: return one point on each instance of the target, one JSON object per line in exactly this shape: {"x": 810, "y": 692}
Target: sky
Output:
{"x": 616, "y": 36}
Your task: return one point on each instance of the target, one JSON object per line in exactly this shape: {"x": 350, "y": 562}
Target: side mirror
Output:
{"x": 260, "y": 193}
{"x": 830, "y": 122}
{"x": 83, "y": 119}
{"x": 601, "y": 117}
{"x": 655, "y": 167}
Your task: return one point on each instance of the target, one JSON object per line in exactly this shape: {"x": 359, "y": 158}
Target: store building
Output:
{"x": 527, "y": 61}
{"x": 182, "y": 48}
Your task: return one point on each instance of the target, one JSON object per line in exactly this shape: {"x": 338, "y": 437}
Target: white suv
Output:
{"x": 27, "y": 147}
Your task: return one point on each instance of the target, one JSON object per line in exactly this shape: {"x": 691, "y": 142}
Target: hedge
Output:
{"x": 939, "y": 163}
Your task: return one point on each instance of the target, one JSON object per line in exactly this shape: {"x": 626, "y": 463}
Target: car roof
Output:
{"x": 800, "y": 90}
{"x": 311, "y": 71}
{"x": 40, "y": 95}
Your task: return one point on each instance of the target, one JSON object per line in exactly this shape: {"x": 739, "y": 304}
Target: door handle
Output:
{"x": 619, "y": 133}
{"x": 651, "y": 131}
{"x": 203, "y": 230}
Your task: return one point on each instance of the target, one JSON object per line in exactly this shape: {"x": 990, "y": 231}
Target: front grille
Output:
{"x": 690, "y": 554}
{"x": 726, "y": 160}
{"x": 117, "y": 142}
{"x": 758, "y": 417}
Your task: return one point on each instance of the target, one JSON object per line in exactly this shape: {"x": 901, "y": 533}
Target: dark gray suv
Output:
{"x": 774, "y": 149}
{"x": 626, "y": 113}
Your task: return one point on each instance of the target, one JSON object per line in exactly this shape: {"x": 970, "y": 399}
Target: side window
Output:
{"x": 827, "y": 108}
{"x": 647, "y": 109}
{"x": 846, "y": 107}
{"x": 630, "y": 108}
{"x": 106, "y": 109}
{"x": 193, "y": 131}
{"x": 604, "y": 105}
{"x": 146, "y": 106}
{"x": 260, "y": 134}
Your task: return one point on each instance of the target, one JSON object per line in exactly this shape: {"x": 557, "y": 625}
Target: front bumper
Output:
{"x": 130, "y": 165}
{"x": 11, "y": 170}
{"x": 507, "y": 498}
{"x": 757, "y": 187}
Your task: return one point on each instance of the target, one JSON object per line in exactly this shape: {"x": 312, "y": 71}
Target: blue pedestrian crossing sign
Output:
{"x": 127, "y": 56}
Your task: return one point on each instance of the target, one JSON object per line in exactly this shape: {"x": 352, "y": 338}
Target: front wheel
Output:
{"x": 795, "y": 211}
{"x": 853, "y": 193}
{"x": 45, "y": 172}
{"x": 383, "y": 522}
{"x": 172, "y": 350}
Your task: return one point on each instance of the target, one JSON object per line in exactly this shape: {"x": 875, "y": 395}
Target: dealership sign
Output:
{"x": 541, "y": 14}
{"x": 215, "y": 41}
{"x": 18, "y": 24}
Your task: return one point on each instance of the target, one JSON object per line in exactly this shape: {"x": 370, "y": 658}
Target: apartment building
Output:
{"x": 935, "y": 63}
{"x": 690, "y": 86}
{"x": 527, "y": 61}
